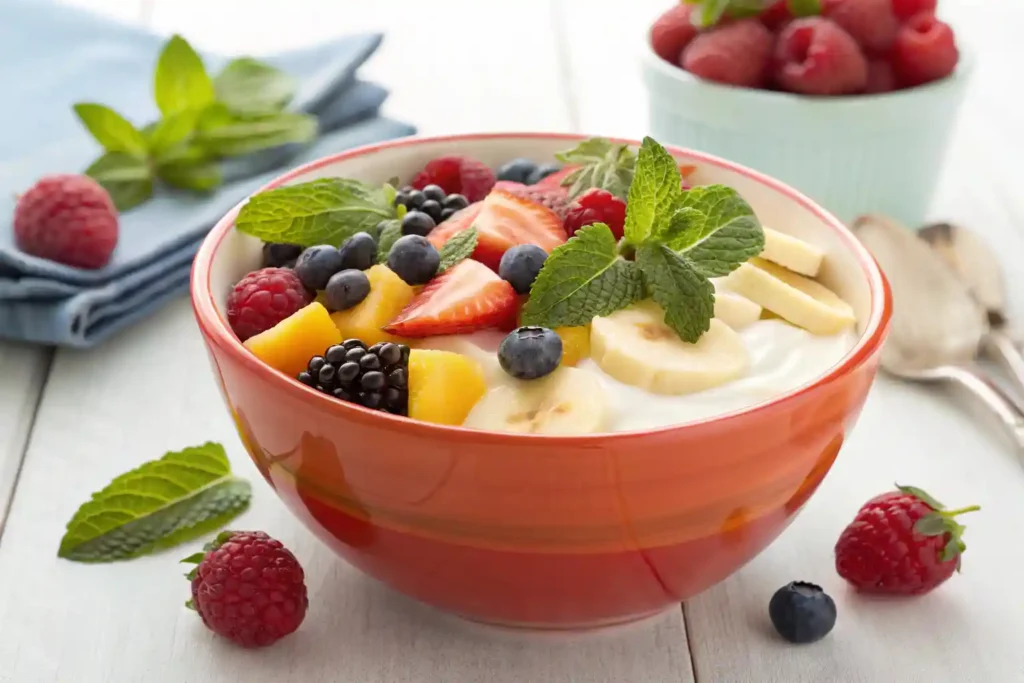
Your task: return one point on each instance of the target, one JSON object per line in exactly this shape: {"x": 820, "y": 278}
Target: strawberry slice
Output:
{"x": 467, "y": 298}
{"x": 503, "y": 221}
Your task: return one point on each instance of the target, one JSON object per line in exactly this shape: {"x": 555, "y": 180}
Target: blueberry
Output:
{"x": 446, "y": 214}
{"x": 517, "y": 170}
{"x": 402, "y": 198}
{"x": 455, "y": 202}
{"x": 358, "y": 252}
{"x": 280, "y": 255}
{"x": 414, "y": 259}
{"x": 434, "y": 192}
{"x": 433, "y": 209}
{"x": 317, "y": 264}
{"x": 346, "y": 289}
{"x": 417, "y": 223}
{"x": 802, "y": 612}
{"x": 530, "y": 352}
{"x": 520, "y": 264}
{"x": 542, "y": 172}
{"x": 414, "y": 199}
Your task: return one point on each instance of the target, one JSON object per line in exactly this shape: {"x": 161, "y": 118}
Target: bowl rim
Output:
{"x": 217, "y": 331}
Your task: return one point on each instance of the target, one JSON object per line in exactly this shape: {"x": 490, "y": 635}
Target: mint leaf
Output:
{"x": 181, "y": 81}
{"x": 710, "y": 13}
{"x": 248, "y": 86}
{"x": 163, "y": 503}
{"x": 714, "y": 228}
{"x": 388, "y": 236}
{"x": 581, "y": 280}
{"x": 804, "y": 8}
{"x": 244, "y": 136}
{"x": 602, "y": 164}
{"x": 127, "y": 178}
{"x": 200, "y": 175}
{"x": 457, "y": 248}
{"x": 654, "y": 192}
{"x": 171, "y": 130}
{"x": 326, "y": 211}
{"x": 687, "y": 296}
{"x": 113, "y": 131}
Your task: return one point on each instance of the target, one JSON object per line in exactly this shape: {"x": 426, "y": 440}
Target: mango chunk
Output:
{"x": 389, "y": 294}
{"x": 443, "y": 386}
{"x": 288, "y": 345}
{"x": 575, "y": 343}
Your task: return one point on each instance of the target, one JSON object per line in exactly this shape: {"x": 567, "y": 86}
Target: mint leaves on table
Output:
{"x": 677, "y": 239}
{"x": 161, "y": 504}
{"x": 602, "y": 164}
{"x": 710, "y": 12}
{"x": 203, "y": 120}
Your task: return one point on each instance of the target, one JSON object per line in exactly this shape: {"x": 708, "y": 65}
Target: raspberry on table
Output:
{"x": 815, "y": 56}
{"x": 457, "y": 175}
{"x": 376, "y": 377}
{"x": 248, "y": 588}
{"x": 596, "y": 206}
{"x": 69, "y": 219}
{"x": 263, "y": 298}
{"x": 925, "y": 51}
{"x": 872, "y": 23}
{"x": 672, "y": 32}
{"x": 735, "y": 53}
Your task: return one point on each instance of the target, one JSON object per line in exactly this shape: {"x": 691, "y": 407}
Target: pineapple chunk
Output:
{"x": 389, "y": 294}
{"x": 288, "y": 345}
{"x": 443, "y": 386}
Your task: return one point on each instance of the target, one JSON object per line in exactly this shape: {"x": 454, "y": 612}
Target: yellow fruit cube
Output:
{"x": 443, "y": 386}
{"x": 288, "y": 345}
{"x": 389, "y": 294}
{"x": 575, "y": 343}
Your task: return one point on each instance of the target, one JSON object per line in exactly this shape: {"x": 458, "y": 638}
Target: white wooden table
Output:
{"x": 71, "y": 420}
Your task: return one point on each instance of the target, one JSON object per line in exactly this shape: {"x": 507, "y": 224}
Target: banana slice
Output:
{"x": 792, "y": 253}
{"x": 732, "y": 309}
{"x": 794, "y": 298}
{"x": 569, "y": 401}
{"x": 636, "y": 347}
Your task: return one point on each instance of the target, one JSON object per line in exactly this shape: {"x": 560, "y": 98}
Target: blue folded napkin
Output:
{"x": 59, "y": 56}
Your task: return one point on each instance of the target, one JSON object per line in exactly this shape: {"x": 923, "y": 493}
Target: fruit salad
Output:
{"x": 596, "y": 292}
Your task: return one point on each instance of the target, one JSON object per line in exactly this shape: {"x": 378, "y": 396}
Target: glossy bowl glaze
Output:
{"x": 540, "y": 531}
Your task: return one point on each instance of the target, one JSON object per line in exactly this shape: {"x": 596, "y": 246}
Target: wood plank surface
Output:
{"x": 23, "y": 371}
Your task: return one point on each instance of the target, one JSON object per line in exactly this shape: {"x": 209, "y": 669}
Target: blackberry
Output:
{"x": 431, "y": 200}
{"x": 376, "y": 377}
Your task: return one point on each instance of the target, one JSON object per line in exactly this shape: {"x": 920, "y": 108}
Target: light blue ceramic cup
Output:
{"x": 853, "y": 155}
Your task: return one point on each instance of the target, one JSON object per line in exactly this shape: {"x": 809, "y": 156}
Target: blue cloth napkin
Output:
{"x": 54, "y": 56}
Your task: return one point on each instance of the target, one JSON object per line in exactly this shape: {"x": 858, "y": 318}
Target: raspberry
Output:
{"x": 925, "y": 51}
{"x": 672, "y": 32}
{"x": 776, "y": 15}
{"x": 736, "y": 53}
{"x": 249, "y": 588}
{"x": 263, "y": 298}
{"x": 69, "y": 219}
{"x": 596, "y": 206}
{"x": 904, "y": 9}
{"x": 902, "y": 542}
{"x": 815, "y": 56}
{"x": 457, "y": 175}
{"x": 880, "y": 77}
{"x": 872, "y": 23}
{"x": 555, "y": 198}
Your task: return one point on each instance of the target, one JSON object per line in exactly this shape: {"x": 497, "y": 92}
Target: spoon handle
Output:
{"x": 1001, "y": 347}
{"x": 994, "y": 398}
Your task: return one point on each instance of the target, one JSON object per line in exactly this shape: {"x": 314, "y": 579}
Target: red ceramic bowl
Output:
{"x": 544, "y": 531}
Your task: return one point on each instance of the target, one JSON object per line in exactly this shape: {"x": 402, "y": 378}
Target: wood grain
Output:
{"x": 23, "y": 371}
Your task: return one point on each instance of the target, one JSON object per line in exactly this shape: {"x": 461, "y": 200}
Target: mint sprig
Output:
{"x": 389, "y": 234}
{"x": 715, "y": 228}
{"x": 687, "y": 297}
{"x": 711, "y": 12}
{"x": 161, "y": 504}
{"x": 458, "y": 248}
{"x": 602, "y": 164}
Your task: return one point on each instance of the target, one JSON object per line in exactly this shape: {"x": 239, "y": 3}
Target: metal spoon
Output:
{"x": 937, "y": 325}
{"x": 977, "y": 267}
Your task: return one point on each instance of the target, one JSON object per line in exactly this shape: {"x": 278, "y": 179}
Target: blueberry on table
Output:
{"x": 802, "y": 612}
{"x": 517, "y": 170}
{"x": 317, "y": 264}
{"x": 530, "y": 352}
{"x": 542, "y": 172}
{"x": 358, "y": 252}
{"x": 345, "y": 289}
{"x": 280, "y": 255}
{"x": 520, "y": 264}
{"x": 414, "y": 259}
{"x": 417, "y": 223}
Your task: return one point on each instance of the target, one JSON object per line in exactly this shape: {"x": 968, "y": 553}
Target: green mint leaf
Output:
{"x": 602, "y": 164}
{"x": 710, "y": 13}
{"x": 248, "y": 86}
{"x": 199, "y": 176}
{"x": 687, "y": 297}
{"x": 171, "y": 130}
{"x": 326, "y": 211}
{"x": 654, "y": 192}
{"x": 213, "y": 116}
{"x": 244, "y": 136}
{"x": 804, "y": 8}
{"x": 581, "y": 280}
{"x": 457, "y": 248}
{"x": 113, "y": 131}
{"x": 127, "y": 178}
{"x": 714, "y": 228}
{"x": 387, "y": 238}
{"x": 181, "y": 81}
{"x": 163, "y": 503}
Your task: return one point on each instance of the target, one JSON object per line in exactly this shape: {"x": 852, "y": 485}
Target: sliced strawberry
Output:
{"x": 462, "y": 220}
{"x": 467, "y": 298}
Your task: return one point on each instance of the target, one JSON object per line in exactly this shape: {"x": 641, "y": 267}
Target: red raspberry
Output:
{"x": 776, "y": 15}
{"x": 248, "y": 588}
{"x": 880, "y": 77}
{"x": 904, "y": 9}
{"x": 672, "y": 32}
{"x": 736, "y": 53}
{"x": 815, "y": 56}
{"x": 555, "y": 198}
{"x": 263, "y": 298}
{"x": 902, "y": 542}
{"x": 69, "y": 219}
{"x": 596, "y": 206}
{"x": 872, "y": 23}
{"x": 454, "y": 174}
{"x": 925, "y": 51}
